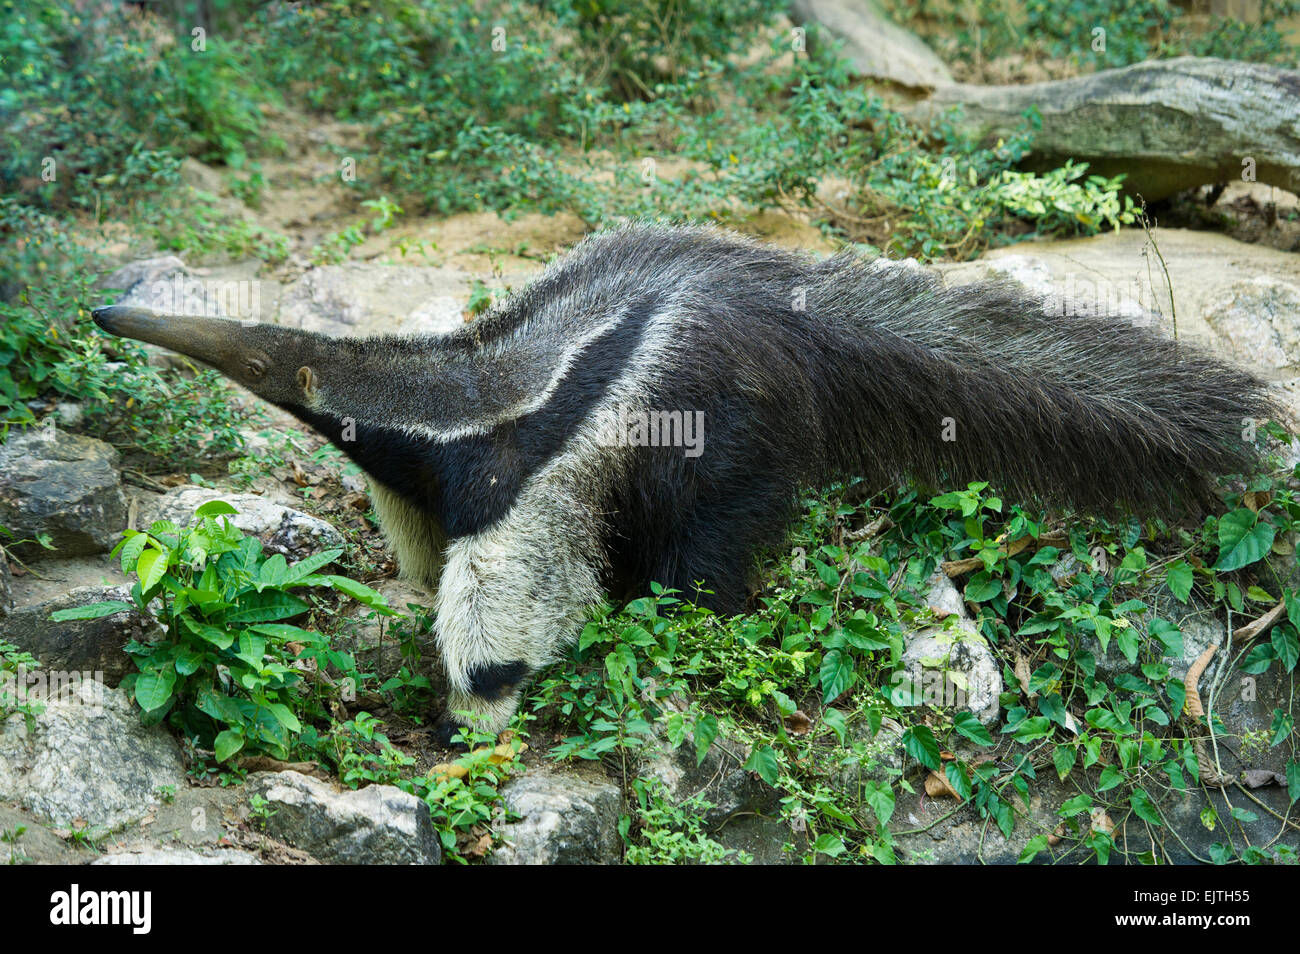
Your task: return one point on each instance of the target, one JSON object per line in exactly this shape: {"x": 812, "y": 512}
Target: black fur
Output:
{"x": 495, "y": 680}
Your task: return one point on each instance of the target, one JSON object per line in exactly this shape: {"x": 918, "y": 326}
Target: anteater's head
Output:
{"x": 282, "y": 365}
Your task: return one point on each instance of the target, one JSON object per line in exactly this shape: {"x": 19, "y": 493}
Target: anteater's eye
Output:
{"x": 256, "y": 367}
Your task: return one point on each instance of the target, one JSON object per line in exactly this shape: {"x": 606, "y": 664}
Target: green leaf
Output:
{"x": 150, "y": 568}
{"x": 1286, "y": 646}
{"x": 837, "y": 675}
{"x": 215, "y": 508}
{"x": 1243, "y": 539}
{"x": 273, "y": 571}
{"x": 91, "y": 611}
{"x": 835, "y": 719}
{"x": 1063, "y": 758}
{"x": 359, "y": 592}
{"x": 763, "y": 761}
{"x": 187, "y": 661}
{"x": 1293, "y": 780}
{"x": 880, "y": 798}
{"x": 228, "y": 743}
{"x": 958, "y": 779}
{"x": 920, "y": 744}
{"x": 981, "y": 587}
{"x": 221, "y": 638}
{"x": 1033, "y": 848}
{"x": 829, "y": 844}
{"x": 284, "y": 715}
{"x": 1144, "y": 808}
{"x": 131, "y": 550}
{"x": 1031, "y": 730}
{"x": 266, "y": 607}
{"x": 705, "y": 731}
{"x": 1178, "y": 577}
{"x": 969, "y": 725}
{"x": 311, "y": 564}
{"x": 153, "y": 690}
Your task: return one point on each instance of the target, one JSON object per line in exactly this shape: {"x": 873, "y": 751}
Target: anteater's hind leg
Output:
{"x": 509, "y": 600}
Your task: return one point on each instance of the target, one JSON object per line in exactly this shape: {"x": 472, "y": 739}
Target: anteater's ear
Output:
{"x": 307, "y": 381}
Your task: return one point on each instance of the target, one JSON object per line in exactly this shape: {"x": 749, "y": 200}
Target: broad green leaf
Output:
{"x": 969, "y": 725}
{"x": 273, "y": 571}
{"x": 215, "y": 508}
{"x": 763, "y": 761}
{"x": 228, "y": 743}
{"x": 266, "y": 607}
{"x": 981, "y": 587}
{"x": 880, "y": 798}
{"x": 1033, "y": 848}
{"x": 1243, "y": 539}
{"x": 837, "y": 675}
{"x": 284, "y": 716}
{"x": 1286, "y": 646}
{"x": 1144, "y": 808}
{"x": 920, "y": 744}
{"x": 705, "y": 731}
{"x": 150, "y": 568}
{"x": 311, "y": 564}
{"x": 91, "y": 611}
{"x": 131, "y": 550}
{"x": 153, "y": 690}
{"x": 829, "y": 844}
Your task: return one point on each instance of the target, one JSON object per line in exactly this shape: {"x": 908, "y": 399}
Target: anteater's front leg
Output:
{"x": 510, "y": 598}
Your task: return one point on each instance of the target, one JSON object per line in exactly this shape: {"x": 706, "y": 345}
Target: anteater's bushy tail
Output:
{"x": 981, "y": 382}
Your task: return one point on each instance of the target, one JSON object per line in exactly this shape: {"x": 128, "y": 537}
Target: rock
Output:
{"x": 361, "y": 299}
{"x": 875, "y": 45}
{"x": 378, "y": 824}
{"x": 1032, "y": 273}
{"x": 205, "y": 178}
{"x": 6, "y": 585}
{"x": 70, "y": 413}
{"x": 943, "y": 598}
{"x": 28, "y": 841}
{"x": 1200, "y": 627}
{"x": 1258, "y": 321}
{"x": 878, "y": 757}
{"x": 83, "y": 645}
{"x": 145, "y": 271}
{"x": 1213, "y": 115}
{"x": 281, "y": 529}
{"x": 158, "y": 855}
{"x": 767, "y": 841}
{"x": 566, "y": 818}
{"x": 719, "y": 779}
{"x": 953, "y": 666}
{"x": 65, "y": 485}
{"x": 87, "y": 757}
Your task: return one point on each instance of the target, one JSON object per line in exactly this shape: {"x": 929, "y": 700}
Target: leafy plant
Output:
{"x": 231, "y": 670}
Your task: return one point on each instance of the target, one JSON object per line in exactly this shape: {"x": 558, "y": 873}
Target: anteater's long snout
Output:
{"x": 212, "y": 340}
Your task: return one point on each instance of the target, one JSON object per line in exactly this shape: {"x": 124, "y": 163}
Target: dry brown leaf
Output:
{"x": 1192, "y": 705}
{"x": 1023, "y": 674}
{"x": 1252, "y": 629}
{"x": 937, "y": 785}
{"x": 1101, "y": 821}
